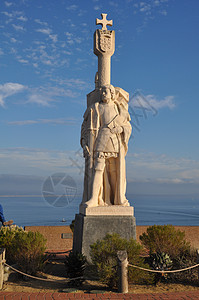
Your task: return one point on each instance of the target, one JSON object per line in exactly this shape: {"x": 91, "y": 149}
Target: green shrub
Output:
{"x": 165, "y": 238}
{"x": 26, "y": 249}
{"x": 170, "y": 241}
{"x": 160, "y": 261}
{"x": 7, "y": 237}
{"x": 104, "y": 257}
{"x": 75, "y": 265}
{"x": 182, "y": 262}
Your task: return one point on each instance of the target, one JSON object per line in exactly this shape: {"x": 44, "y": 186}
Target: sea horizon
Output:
{"x": 148, "y": 210}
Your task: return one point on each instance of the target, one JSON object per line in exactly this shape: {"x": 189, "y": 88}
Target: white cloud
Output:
{"x": 18, "y": 27}
{"x": 7, "y": 14}
{"x": 39, "y": 99}
{"x": 44, "y": 30}
{"x": 168, "y": 102}
{"x": 23, "y": 19}
{"x": 97, "y": 7}
{"x": 162, "y": 168}
{"x": 81, "y": 13}
{"x": 41, "y": 22}
{"x": 48, "y": 32}
{"x": 13, "y": 40}
{"x": 113, "y": 3}
{"x": 47, "y": 96}
{"x": 72, "y": 7}
{"x": 149, "y": 10}
{"x": 68, "y": 34}
{"x": 151, "y": 102}
{"x": 53, "y": 37}
{"x": 23, "y": 61}
{"x": 163, "y": 12}
{"x": 1, "y": 52}
{"x": 156, "y": 2}
{"x": 59, "y": 121}
{"x": 25, "y": 122}
{"x": 8, "y": 4}
{"x": 9, "y": 89}
{"x": 75, "y": 83}
{"x": 35, "y": 65}
{"x": 145, "y": 7}
{"x": 37, "y": 161}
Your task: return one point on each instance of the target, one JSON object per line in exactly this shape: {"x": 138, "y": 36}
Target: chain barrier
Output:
{"x": 165, "y": 272}
{"x": 43, "y": 279}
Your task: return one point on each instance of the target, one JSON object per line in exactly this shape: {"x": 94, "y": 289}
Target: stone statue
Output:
{"x": 105, "y": 130}
{"x": 105, "y": 133}
{"x": 108, "y": 122}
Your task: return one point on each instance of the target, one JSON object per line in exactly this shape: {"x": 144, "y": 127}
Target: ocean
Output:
{"x": 149, "y": 210}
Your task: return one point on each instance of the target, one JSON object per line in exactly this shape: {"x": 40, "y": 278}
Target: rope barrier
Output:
{"x": 171, "y": 271}
{"x": 70, "y": 279}
{"x": 43, "y": 279}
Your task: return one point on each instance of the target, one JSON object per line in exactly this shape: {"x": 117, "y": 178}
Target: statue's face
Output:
{"x": 106, "y": 94}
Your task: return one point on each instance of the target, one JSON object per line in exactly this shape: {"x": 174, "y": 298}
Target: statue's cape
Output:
{"x": 89, "y": 131}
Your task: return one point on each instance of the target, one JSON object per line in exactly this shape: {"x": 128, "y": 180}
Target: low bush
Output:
{"x": 26, "y": 249}
{"x": 165, "y": 238}
{"x": 75, "y": 266}
{"x": 169, "y": 249}
{"x": 104, "y": 257}
{"x": 160, "y": 261}
{"x": 7, "y": 235}
{"x": 182, "y": 262}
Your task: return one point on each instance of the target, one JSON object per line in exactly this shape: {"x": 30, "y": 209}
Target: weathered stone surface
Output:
{"x": 89, "y": 229}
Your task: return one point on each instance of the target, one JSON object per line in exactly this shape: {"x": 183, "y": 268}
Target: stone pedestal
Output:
{"x": 93, "y": 223}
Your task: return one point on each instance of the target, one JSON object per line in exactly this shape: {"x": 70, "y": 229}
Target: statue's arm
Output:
{"x": 84, "y": 135}
{"x": 127, "y": 129}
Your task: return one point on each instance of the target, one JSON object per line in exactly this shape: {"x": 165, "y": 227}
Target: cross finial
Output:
{"x": 104, "y": 22}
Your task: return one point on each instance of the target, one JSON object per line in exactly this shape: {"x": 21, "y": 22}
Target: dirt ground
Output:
{"x": 56, "y": 271}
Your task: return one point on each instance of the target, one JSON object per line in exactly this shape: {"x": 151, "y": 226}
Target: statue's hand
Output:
{"x": 86, "y": 151}
{"x": 117, "y": 129}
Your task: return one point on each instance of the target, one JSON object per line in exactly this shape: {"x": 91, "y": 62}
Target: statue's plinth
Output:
{"x": 113, "y": 210}
{"x": 93, "y": 223}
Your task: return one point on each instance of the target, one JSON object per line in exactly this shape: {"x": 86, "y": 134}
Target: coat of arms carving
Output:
{"x": 105, "y": 42}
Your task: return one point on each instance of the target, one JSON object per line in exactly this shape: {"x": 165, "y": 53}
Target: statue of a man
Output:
{"x": 109, "y": 123}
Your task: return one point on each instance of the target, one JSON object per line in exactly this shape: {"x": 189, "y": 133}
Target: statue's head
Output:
{"x": 107, "y": 93}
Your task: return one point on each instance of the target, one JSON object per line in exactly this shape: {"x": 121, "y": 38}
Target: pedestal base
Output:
{"x": 112, "y": 210}
{"x": 90, "y": 228}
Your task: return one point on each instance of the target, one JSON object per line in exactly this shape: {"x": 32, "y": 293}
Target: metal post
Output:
{"x": 123, "y": 271}
{"x": 2, "y": 260}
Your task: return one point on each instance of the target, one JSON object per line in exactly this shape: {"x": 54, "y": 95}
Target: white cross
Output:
{"x": 104, "y": 22}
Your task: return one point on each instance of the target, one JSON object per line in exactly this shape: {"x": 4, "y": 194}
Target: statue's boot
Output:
{"x": 97, "y": 182}
{"x": 91, "y": 203}
{"x": 125, "y": 203}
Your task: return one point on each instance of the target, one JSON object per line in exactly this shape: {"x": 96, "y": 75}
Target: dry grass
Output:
{"x": 56, "y": 270}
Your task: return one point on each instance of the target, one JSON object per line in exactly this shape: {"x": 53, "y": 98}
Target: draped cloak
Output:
{"x": 89, "y": 133}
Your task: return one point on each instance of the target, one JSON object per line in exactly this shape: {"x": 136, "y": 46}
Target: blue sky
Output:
{"x": 48, "y": 66}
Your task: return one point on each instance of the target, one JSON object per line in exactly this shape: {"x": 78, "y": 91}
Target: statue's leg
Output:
{"x": 112, "y": 178}
{"x": 97, "y": 182}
